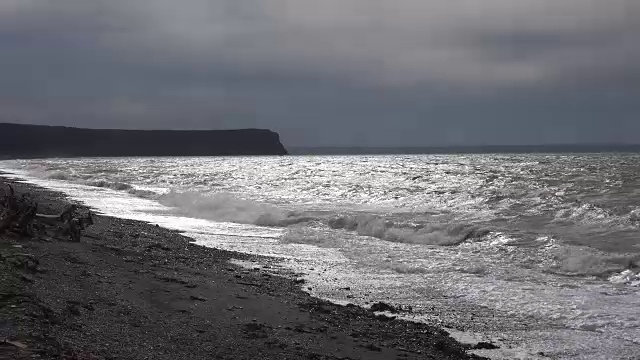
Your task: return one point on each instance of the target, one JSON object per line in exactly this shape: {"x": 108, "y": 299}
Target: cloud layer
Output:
{"x": 349, "y": 72}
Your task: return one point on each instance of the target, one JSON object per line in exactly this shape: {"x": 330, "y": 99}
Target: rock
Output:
{"x": 381, "y": 306}
{"x": 372, "y": 347}
{"x": 385, "y": 318}
{"x": 74, "y": 309}
{"x": 159, "y": 246}
{"x": 198, "y": 298}
{"x": 485, "y": 346}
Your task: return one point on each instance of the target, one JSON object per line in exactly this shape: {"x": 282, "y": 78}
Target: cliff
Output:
{"x": 30, "y": 141}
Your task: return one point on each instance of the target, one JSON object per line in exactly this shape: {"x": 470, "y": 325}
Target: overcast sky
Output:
{"x": 330, "y": 72}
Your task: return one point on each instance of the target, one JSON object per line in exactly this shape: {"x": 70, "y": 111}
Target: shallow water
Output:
{"x": 540, "y": 253}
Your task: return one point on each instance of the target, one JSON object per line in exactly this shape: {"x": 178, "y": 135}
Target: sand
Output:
{"x": 131, "y": 290}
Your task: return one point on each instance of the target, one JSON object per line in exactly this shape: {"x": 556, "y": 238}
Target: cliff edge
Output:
{"x": 33, "y": 141}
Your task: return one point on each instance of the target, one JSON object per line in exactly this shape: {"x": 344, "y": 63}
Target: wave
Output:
{"x": 229, "y": 208}
{"x": 590, "y": 214}
{"x": 54, "y": 173}
{"x": 627, "y": 277}
{"x": 57, "y": 175}
{"x": 110, "y": 185}
{"x": 585, "y": 261}
{"x": 48, "y": 171}
{"x": 585, "y": 213}
{"x": 145, "y": 194}
{"x": 427, "y": 234}
{"x": 120, "y": 186}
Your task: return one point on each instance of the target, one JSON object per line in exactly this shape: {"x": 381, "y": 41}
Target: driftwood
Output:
{"x": 20, "y": 216}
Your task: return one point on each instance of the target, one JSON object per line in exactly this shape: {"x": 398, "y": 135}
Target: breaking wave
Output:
{"x": 584, "y": 261}
{"x": 426, "y": 234}
{"x": 229, "y": 208}
{"x": 57, "y": 175}
{"x": 120, "y": 186}
{"x": 110, "y": 185}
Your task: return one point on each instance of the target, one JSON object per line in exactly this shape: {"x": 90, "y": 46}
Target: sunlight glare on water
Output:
{"x": 539, "y": 253}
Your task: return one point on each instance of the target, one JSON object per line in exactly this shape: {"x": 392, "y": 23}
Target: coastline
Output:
{"x": 132, "y": 290}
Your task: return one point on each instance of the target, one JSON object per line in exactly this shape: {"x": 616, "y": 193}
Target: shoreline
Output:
{"x": 132, "y": 290}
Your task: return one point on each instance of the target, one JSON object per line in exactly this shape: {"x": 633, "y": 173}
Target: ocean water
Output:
{"x": 537, "y": 253}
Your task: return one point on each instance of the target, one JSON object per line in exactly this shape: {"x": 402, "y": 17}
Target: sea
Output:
{"x": 536, "y": 253}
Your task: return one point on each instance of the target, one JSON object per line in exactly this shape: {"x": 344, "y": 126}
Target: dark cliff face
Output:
{"x": 29, "y": 141}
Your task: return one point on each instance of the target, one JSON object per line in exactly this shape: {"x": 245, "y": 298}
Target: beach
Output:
{"x": 132, "y": 290}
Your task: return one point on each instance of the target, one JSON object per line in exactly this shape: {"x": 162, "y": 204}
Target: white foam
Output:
{"x": 627, "y": 277}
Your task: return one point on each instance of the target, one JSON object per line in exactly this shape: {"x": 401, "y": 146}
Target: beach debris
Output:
{"x": 19, "y": 215}
{"x": 26, "y": 262}
{"x": 17, "y": 344}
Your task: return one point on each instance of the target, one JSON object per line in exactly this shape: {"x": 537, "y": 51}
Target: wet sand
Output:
{"x": 132, "y": 290}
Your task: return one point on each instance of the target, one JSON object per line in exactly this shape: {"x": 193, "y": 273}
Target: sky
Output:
{"x": 330, "y": 72}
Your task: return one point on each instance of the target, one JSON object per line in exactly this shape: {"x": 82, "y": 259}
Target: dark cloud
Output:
{"x": 350, "y": 72}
